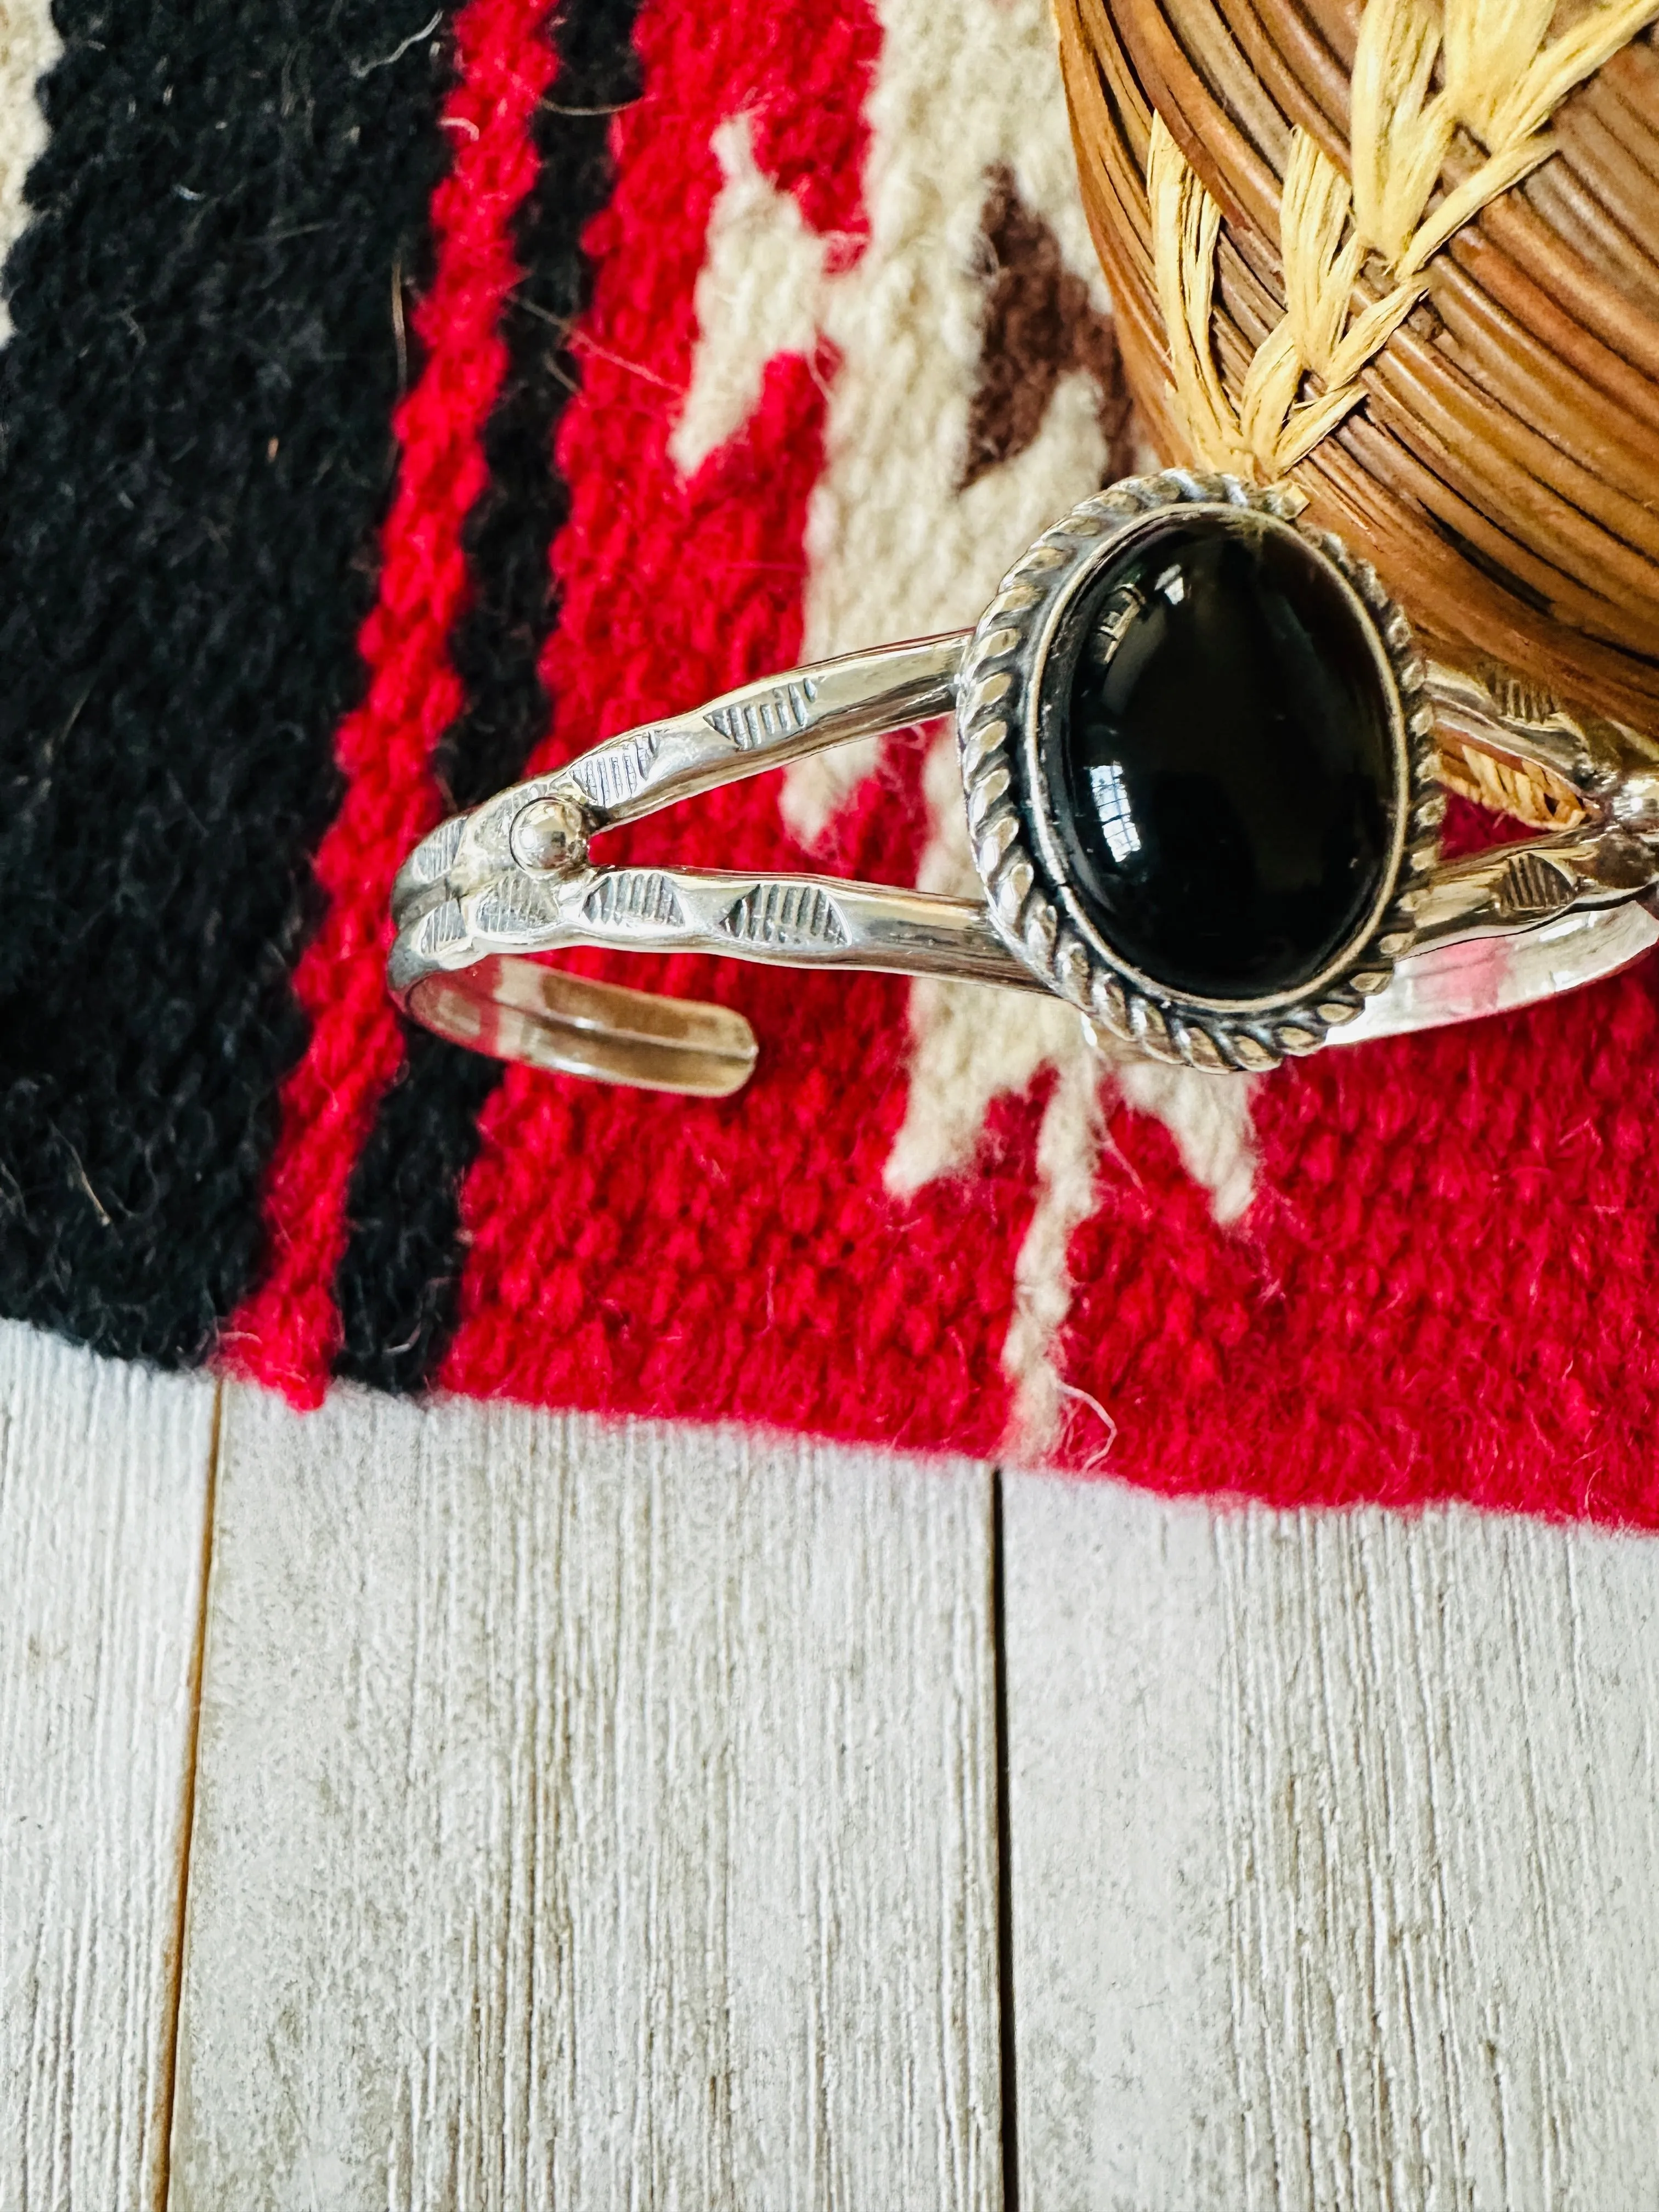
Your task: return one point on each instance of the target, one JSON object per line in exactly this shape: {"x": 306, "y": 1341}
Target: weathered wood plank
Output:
{"x": 104, "y": 1482}
{"x": 1335, "y": 1854}
{"x": 588, "y": 1815}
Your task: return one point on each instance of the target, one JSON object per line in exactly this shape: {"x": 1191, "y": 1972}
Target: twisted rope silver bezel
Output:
{"x": 1035, "y": 911}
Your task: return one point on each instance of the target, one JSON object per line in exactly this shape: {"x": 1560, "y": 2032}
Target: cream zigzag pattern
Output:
{"x": 897, "y": 549}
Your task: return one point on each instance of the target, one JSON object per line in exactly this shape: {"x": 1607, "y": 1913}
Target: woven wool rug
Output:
{"x": 393, "y": 401}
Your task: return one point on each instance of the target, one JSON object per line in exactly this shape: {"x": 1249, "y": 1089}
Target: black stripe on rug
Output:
{"x": 398, "y": 1281}
{"x": 195, "y": 408}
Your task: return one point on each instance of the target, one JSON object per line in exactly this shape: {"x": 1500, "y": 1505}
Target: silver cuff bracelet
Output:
{"x": 1198, "y": 751}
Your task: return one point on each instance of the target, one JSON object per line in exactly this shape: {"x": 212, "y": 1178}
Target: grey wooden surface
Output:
{"x": 471, "y": 1807}
{"x": 1335, "y": 1874}
{"x": 588, "y": 1815}
{"x": 104, "y": 1481}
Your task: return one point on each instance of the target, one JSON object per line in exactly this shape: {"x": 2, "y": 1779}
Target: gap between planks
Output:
{"x": 617, "y": 1809}
{"x": 1336, "y": 1857}
{"x": 599, "y": 1813}
{"x": 187, "y": 1816}
{"x": 103, "y": 1518}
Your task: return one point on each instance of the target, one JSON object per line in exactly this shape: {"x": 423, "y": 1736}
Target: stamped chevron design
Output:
{"x": 783, "y": 914}
{"x": 780, "y": 713}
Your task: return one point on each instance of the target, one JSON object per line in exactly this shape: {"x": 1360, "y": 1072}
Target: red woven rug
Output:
{"x": 709, "y": 338}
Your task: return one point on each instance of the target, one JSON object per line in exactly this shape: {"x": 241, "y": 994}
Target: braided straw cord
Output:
{"x": 1502, "y": 81}
{"x": 1542, "y": 801}
{"x": 1381, "y": 273}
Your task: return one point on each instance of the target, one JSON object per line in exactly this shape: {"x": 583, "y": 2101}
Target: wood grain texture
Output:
{"x": 104, "y": 1482}
{"x": 588, "y": 1815}
{"x": 1335, "y": 1858}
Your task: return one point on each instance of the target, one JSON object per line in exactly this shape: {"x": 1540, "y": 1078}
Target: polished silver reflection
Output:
{"x": 515, "y": 877}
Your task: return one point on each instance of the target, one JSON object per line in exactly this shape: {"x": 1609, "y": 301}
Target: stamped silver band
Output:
{"x": 1438, "y": 943}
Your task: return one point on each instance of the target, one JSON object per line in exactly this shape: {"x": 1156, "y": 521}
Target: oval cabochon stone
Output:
{"x": 1217, "y": 737}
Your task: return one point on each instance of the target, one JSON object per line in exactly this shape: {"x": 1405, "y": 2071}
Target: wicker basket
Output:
{"x": 1496, "y": 455}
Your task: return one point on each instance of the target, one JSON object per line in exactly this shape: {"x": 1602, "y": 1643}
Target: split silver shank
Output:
{"x": 513, "y": 877}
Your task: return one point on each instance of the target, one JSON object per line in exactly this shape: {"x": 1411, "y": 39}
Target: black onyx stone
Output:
{"x": 1218, "y": 744}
